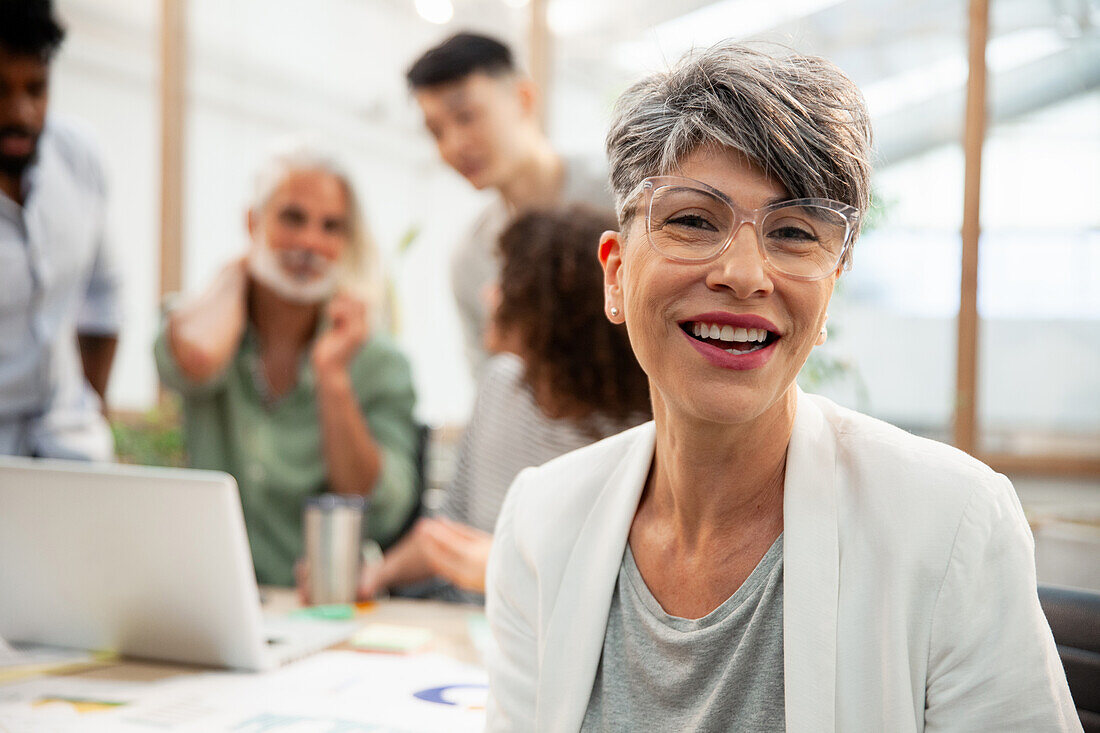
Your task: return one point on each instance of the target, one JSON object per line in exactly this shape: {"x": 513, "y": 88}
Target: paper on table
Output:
{"x": 342, "y": 691}
{"x": 66, "y": 703}
{"x": 19, "y": 655}
{"x": 33, "y": 660}
{"x": 6, "y": 652}
{"x": 76, "y": 687}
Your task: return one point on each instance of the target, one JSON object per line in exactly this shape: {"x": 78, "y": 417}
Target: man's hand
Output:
{"x": 97, "y": 353}
{"x": 205, "y": 332}
{"x": 456, "y": 551}
{"x": 230, "y": 284}
{"x": 335, "y": 348}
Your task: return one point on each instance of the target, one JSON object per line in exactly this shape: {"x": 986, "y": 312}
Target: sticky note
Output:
{"x": 330, "y": 612}
{"x": 390, "y": 638}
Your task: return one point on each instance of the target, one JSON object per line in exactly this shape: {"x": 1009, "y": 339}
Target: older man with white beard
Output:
{"x": 284, "y": 384}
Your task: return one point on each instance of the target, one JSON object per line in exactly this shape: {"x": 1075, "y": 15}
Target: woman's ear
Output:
{"x": 252, "y": 222}
{"x": 610, "y": 254}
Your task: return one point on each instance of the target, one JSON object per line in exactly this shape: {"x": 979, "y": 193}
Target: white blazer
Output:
{"x": 909, "y": 595}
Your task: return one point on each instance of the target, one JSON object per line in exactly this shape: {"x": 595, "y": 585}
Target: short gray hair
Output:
{"x": 798, "y": 118}
{"x": 359, "y": 266}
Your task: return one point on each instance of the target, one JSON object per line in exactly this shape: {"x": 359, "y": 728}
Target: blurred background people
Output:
{"x": 59, "y": 292}
{"x": 284, "y": 382}
{"x": 483, "y": 114}
{"x": 562, "y": 377}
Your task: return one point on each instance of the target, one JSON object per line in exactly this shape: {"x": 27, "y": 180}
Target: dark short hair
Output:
{"x": 28, "y": 27}
{"x": 458, "y": 57}
{"x": 551, "y": 294}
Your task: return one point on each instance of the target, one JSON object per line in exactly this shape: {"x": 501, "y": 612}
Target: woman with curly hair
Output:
{"x": 564, "y": 377}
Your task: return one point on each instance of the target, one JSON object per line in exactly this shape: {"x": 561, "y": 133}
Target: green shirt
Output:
{"x": 274, "y": 450}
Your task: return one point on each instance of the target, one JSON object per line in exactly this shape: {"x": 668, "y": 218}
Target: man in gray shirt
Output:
{"x": 58, "y": 291}
{"x": 483, "y": 115}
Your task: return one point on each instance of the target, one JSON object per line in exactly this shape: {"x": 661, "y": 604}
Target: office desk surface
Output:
{"x": 448, "y": 622}
{"x": 449, "y": 653}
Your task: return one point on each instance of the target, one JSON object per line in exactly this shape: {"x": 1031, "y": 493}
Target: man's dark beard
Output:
{"x": 14, "y": 165}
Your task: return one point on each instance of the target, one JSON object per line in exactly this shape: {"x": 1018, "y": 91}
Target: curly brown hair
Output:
{"x": 551, "y": 297}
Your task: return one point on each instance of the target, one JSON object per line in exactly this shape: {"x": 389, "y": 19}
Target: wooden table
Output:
{"x": 449, "y": 623}
{"x": 335, "y": 693}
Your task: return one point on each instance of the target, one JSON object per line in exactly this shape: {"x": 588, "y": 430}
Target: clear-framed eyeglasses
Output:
{"x": 689, "y": 221}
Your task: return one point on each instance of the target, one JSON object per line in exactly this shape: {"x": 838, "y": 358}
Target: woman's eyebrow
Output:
{"x": 767, "y": 202}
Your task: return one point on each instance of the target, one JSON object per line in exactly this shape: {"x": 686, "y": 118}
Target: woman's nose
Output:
{"x": 741, "y": 268}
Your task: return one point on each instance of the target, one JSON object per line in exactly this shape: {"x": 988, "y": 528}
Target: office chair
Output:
{"x": 423, "y": 440}
{"x": 1074, "y": 617}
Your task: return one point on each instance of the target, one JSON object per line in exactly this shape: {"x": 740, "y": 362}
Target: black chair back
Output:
{"x": 423, "y": 441}
{"x": 1074, "y": 617}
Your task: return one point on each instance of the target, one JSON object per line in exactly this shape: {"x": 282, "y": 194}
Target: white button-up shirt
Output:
{"x": 56, "y": 280}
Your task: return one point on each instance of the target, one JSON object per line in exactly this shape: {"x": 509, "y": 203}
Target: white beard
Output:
{"x": 312, "y": 287}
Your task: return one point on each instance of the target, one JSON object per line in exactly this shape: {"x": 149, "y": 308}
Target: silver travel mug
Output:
{"x": 332, "y": 525}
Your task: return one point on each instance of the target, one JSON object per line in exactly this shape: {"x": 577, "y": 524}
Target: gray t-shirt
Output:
{"x": 721, "y": 672}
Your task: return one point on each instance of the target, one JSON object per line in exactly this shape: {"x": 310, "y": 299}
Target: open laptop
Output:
{"x": 147, "y": 562}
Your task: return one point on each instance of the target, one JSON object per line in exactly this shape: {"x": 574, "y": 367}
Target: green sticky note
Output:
{"x": 330, "y": 612}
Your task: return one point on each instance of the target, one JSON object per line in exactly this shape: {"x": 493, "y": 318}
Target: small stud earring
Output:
{"x": 614, "y": 312}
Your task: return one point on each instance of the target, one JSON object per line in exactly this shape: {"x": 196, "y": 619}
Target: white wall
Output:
{"x": 105, "y": 79}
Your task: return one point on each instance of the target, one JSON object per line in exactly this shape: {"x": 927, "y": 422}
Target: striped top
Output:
{"x": 506, "y": 434}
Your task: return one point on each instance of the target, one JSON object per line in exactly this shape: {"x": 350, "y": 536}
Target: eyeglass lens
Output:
{"x": 688, "y": 224}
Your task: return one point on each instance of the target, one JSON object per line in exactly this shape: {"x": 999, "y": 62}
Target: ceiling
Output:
{"x": 908, "y": 56}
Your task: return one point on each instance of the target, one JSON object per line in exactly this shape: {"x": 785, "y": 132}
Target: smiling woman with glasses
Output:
{"x": 756, "y": 558}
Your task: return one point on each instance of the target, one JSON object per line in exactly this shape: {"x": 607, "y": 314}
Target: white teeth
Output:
{"x": 759, "y": 335}
{"x": 728, "y": 333}
{"x": 744, "y": 351}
